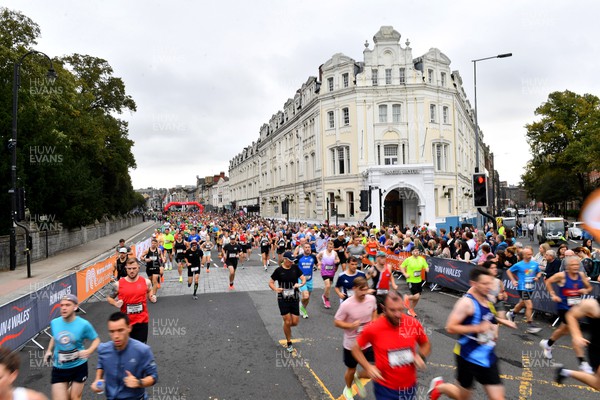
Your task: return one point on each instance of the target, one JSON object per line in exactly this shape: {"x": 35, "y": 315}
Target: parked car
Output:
{"x": 576, "y": 230}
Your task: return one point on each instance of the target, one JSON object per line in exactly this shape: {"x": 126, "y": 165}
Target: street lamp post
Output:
{"x": 475, "y": 90}
{"x": 504, "y": 55}
{"x": 12, "y": 145}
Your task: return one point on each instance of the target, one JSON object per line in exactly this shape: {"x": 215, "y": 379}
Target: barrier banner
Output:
{"x": 49, "y": 297}
{"x": 95, "y": 277}
{"x": 394, "y": 259}
{"x": 132, "y": 250}
{"x": 449, "y": 273}
{"x": 141, "y": 247}
{"x": 19, "y": 322}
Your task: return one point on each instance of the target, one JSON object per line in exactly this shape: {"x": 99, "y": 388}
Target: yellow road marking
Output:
{"x": 319, "y": 381}
{"x": 525, "y": 388}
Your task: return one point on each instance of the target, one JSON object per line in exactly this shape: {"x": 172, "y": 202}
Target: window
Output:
{"x": 345, "y": 79}
{"x": 374, "y": 77}
{"x": 396, "y": 112}
{"x": 383, "y": 113}
{"x": 388, "y": 76}
{"x": 330, "y": 84}
{"x": 390, "y": 154}
{"x": 430, "y": 75}
{"x": 350, "y": 203}
{"x": 432, "y": 113}
{"x": 450, "y": 195}
{"x": 340, "y": 157}
{"x": 332, "y": 206}
{"x": 402, "y": 75}
{"x": 443, "y": 75}
{"x": 331, "y": 119}
{"x": 346, "y": 116}
{"x": 445, "y": 117}
{"x": 440, "y": 156}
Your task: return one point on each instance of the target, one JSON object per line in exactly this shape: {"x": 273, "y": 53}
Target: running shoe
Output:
{"x": 290, "y": 349}
{"x": 303, "y": 312}
{"x": 327, "y": 304}
{"x": 558, "y": 374}
{"x": 433, "y": 391}
{"x": 324, "y": 300}
{"x": 547, "y": 349}
{"x": 181, "y": 279}
{"x": 231, "y": 287}
{"x": 406, "y": 302}
{"x": 532, "y": 329}
{"x": 162, "y": 278}
{"x": 362, "y": 392}
{"x": 585, "y": 367}
{"x": 265, "y": 267}
{"x": 195, "y": 297}
{"x": 510, "y": 316}
{"x": 348, "y": 395}
{"x": 158, "y": 285}
{"x": 207, "y": 270}
{"x": 412, "y": 313}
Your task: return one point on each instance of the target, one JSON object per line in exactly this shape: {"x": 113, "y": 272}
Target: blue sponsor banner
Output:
{"x": 454, "y": 274}
{"x": 49, "y": 297}
{"x": 18, "y": 322}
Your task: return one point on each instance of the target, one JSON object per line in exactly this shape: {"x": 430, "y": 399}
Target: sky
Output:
{"x": 207, "y": 75}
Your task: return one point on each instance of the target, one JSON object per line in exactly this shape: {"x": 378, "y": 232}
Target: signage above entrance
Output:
{"x": 402, "y": 172}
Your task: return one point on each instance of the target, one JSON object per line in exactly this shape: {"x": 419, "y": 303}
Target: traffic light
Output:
{"x": 480, "y": 190}
{"x": 364, "y": 200}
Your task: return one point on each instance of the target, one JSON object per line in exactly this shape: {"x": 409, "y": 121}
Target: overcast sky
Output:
{"x": 206, "y": 75}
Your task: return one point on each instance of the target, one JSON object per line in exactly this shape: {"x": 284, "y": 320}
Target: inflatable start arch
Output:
{"x": 185, "y": 203}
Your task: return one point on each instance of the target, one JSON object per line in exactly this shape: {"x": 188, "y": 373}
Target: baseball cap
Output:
{"x": 232, "y": 237}
{"x": 123, "y": 250}
{"x": 194, "y": 242}
{"x": 381, "y": 254}
{"x": 71, "y": 297}
{"x": 288, "y": 256}
{"x": 340, "y": 233}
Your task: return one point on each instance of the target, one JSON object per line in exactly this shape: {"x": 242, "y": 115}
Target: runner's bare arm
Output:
{"x": 462, "y": 309}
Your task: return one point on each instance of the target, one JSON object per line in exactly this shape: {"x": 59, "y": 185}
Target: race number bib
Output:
{"x": 153, "y": 258}
{"x": 288, "y": 294}
{"x": 360, "y": 328}
{"x": 349, "y": 292}
{"x": 194, "y": 269}
{"x": 486, "y": 338}
{"x": 328, "y": 267}
{"x": 135, "y": 308}
{"x": 573, "y": 301}
{"x": 382, "y": 291}
{"x": 400, "y": 357}
{"x": 179, "y": 251}
{"x": 417, "y": 274}
{"x": 68, "y": 356}
{"x": 529, "y": 285}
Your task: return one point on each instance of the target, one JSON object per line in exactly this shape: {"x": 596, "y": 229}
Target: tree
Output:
{"x": 74, "y": 119}
{"x": 565, "y": 143}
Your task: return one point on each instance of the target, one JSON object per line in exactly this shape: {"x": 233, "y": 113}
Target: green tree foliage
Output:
{"x": 74, "y": 154}
{"x": 565, "y": 143}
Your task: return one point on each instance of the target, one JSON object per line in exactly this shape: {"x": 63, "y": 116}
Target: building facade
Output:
{"x": 396, "y": 128}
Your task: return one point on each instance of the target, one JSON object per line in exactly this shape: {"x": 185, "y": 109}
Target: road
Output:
{"x": 229, "y": 345}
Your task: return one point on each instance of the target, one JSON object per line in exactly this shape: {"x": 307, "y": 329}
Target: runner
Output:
{"x": 352, "y": 316}
{"x": 339, "y": 245}
{"x": 394, "y": 340}
{"x": 328, "y": 261}
{"x": 528, "y": 272}
{"x": 589, "y": 308}
{"x": 280, "y": 245}
{"x": 193, "y": 259}
{"x": 572, "y": 285}
{"x": 306, "y": 262}
{"x": 66, "y": 349}
{"x": 473, "y": 319}
{"x": 412, "y": 269}
{"x": 231, "y": 255}
{"x": 372, "y": 247}
{"x": 243, "y": 243}
{"x": 125, "y": 366}
{"x": 356, "y": 249}
{"x": 498, "y": 293}
{"x": 289, "y": 278}
{"x": 265, "y": 249}
{"x": 345, "y": 281}
{"x": 154, "y": 261}
{"x": 206, "y": 248}
{"x": 168, "y": 246}
{"x": 382, "y": 278}
{"x": 132, "y": 292}
{"x": 179, "y": 247}
{"x": 119, "y": 270}
{"x": 10, "y": 363}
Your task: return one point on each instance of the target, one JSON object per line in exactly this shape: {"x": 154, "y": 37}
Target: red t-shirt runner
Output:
{"x": 394, "y": 349}
{"x": 134, "y": 296}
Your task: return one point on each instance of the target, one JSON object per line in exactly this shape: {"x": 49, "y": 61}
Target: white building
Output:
{"x": 398, "y": 127}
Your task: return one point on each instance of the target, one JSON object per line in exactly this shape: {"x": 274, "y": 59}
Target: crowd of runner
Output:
{"x": 381, "y": 332}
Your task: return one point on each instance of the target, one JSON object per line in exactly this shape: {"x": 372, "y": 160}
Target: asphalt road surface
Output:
{"x": 229, "y": 345}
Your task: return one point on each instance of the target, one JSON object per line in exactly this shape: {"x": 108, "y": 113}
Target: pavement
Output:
{"x": 228, "y": 345}
{"x": 15, "y": 284}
